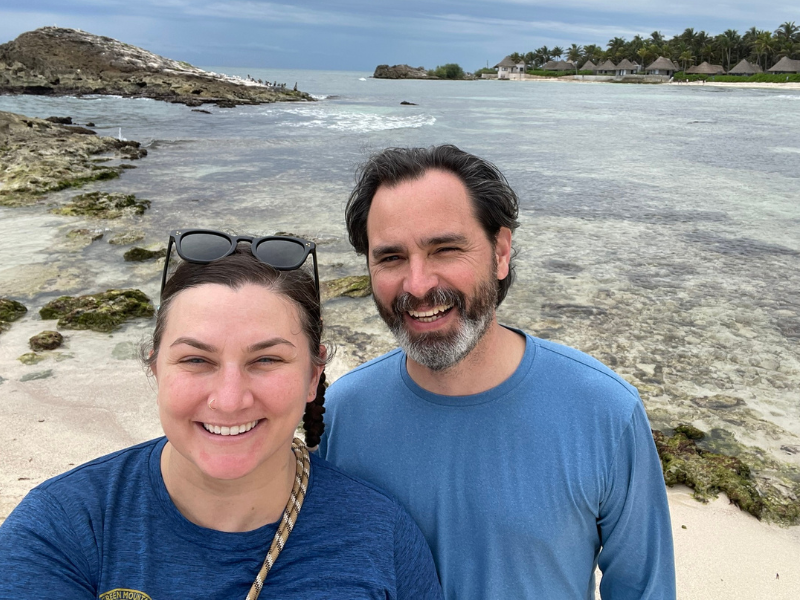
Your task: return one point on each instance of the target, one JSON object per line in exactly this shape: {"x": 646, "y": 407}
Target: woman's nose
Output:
{"x": 232, "y": 391}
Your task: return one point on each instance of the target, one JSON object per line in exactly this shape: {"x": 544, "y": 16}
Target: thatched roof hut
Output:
{"x": 628, "y": 66}
{"x": 704, "y": 68}
{"x": 744, "y": 67}
{"x": 588, "y": 66}
{"x": 662, "y": 66}
{"x": 507, "y": 62}
{"x": 606, "y": 67}
{"x": 786, "y": 65}
{"x": 558, "y": 65}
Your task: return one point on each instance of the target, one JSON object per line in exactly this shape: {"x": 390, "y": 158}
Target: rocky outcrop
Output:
{"x": 58, "y": 61}
{"x": 10, "y": 311}
{"x": 102, "y": 312}
{"x": 37, "y": 156}
{"x": 103, "y": 205}
{"x": 400, "y": 72}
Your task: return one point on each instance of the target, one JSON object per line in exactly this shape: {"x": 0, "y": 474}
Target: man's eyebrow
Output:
{"x": 276, "y": 341}
{"x": 437, "y": 240}
{"x": 194, "y": 343}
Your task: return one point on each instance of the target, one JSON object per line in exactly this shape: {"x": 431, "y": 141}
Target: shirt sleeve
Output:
{"x": 636, "y": 559}
{"x": 414, "y": 569}
{"x": 40, "y": 555}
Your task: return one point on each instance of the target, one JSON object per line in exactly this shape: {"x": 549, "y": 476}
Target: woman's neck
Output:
{"x": 232, "y": 506}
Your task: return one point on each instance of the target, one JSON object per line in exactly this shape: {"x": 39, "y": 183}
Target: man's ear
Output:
{"x": 502, "y": 252}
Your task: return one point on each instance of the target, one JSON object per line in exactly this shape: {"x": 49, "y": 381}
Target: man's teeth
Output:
{"x": 235, "y": 430}
{"x": 426, "y": 316}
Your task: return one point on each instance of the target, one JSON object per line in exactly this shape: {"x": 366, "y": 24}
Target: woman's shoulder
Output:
{"x": 330, "y": 476}
{"x": 129, "y": 467}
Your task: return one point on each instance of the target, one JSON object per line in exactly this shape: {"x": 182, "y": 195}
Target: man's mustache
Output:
{"x": 435, "y": 297}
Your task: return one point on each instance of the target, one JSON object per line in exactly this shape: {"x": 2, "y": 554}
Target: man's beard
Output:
{"x": 435, "y": 350}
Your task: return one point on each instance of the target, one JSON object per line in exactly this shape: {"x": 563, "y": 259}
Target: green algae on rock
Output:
{"x": 101, "y": 312}
{"x": 708, "y": 474}
{"x": 46, "y": 340}
{"x": 37, "y": 375}
{"x": 31, "y": 358}
{"x": 137, "y": 254}
{"x": 10, "y": 310}
{"x": 354, "y": 286}
{"x": 103, "y": 205}
{"x": 126, "y": 238}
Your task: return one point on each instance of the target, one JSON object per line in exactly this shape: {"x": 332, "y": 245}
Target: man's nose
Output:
{"x": 420, "y": 278}
{"x": 232, "y": 389}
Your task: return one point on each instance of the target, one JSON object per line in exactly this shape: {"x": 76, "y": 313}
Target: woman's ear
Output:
{"x": 316, "y": 373}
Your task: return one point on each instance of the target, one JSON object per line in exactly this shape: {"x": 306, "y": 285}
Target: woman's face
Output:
{"x": 246, "y": 350}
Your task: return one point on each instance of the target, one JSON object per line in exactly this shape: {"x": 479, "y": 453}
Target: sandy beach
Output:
{"x": 55, "y": 423}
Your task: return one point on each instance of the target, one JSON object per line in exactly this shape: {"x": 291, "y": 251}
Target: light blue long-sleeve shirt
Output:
{"x": 520, "y": 490}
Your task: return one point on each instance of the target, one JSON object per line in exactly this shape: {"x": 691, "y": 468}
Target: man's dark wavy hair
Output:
{"x": 494, "y": 202}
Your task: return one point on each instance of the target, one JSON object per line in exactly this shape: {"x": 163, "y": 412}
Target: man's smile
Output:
{"x": 432, "y": 314}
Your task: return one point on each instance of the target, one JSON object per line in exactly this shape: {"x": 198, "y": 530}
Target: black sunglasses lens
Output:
{"x": 281, "y": 254}
{"x": 204, "y": 247}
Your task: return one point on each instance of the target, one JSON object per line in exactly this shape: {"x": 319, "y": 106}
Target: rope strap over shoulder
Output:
{"x": 289, "y": 515}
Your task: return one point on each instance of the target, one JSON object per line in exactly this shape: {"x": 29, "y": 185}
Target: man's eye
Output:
{"x": 387, "y": 259}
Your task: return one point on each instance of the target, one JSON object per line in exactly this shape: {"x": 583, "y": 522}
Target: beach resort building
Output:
{"x": 626, "y": 67}
{"x": 786, "y": 65}
{"x": 704, "y": 68}
{"x": 588, "y": 66}
{"x": 745, "y": 67}
{"x": 607, "y": 68}
{"x": 662, "y": 66}
{"x": 508, "y": 69}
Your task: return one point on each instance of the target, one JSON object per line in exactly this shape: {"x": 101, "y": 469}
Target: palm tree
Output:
{"x": 788, "y": 31}
{"x": 763, "y": 45}
{"x": 593, "y": 52}
{"x": 557, "y": 52}
{"x": 530, "y": 59}
{"x": 657, "y": 38}
{"x": 574, "y": 54}
{"x": 616, "y": 47}
{"x": 686, "y": 58}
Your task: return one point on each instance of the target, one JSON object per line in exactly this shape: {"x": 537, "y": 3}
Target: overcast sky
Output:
{"x": 360, "y": 34}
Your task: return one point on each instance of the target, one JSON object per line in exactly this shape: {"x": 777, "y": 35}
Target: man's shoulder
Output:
{"x": 579, "y": 365}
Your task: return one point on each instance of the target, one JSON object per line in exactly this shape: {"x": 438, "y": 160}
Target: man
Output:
{"x": 524, "y": 462}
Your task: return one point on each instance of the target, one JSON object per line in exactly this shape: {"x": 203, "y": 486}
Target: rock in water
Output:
{"x": 400, "y": 72}
{"x": 47, "y": 340}
{"x": 103, "y": 205}
{"x": 102, "y": 312}
{"x": 10, "y": 310}
{"x": 354, "y": 286}
{"x": 137, "y": 254}
{"x": 58, "y": 61}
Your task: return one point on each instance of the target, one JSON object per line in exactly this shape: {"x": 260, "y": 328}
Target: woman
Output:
{"x": 237, "y": 357}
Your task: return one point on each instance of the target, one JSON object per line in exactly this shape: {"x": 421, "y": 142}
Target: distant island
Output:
{"x": 448, "y": 71}
{"x": 56, "y": 61}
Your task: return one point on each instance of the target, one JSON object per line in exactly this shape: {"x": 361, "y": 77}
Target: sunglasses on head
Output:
{"x": 204, "y": 246}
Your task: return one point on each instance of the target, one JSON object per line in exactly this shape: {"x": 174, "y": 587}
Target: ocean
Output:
{"x": 660, "y": 225}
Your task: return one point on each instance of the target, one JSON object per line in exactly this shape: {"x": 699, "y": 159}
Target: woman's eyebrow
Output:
{"x": 194, "y": 343}
{"x": 268, "y": 344}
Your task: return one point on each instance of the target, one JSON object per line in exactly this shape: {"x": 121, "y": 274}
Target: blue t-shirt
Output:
{"x": 108, "y": 529}
{"x": 520, "y": 490}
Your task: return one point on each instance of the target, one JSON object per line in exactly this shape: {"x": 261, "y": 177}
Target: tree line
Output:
{"x": 691, "y": 47}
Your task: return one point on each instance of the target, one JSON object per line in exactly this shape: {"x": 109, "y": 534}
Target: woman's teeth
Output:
{"x": 427, "y": 316}
{"x": 235, "y": 430}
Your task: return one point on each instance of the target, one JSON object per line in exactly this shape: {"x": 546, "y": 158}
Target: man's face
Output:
{"x": 434, "y": 271}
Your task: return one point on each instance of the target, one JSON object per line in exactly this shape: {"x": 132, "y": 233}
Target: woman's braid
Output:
{"x": 312, "y": 418}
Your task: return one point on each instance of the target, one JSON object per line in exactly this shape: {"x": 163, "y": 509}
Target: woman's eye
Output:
{"x": 194, "y": 360}
{"x": 267, "y": 360}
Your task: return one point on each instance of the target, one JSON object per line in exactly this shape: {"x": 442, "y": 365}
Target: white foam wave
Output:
{"x": 359, "y": 122}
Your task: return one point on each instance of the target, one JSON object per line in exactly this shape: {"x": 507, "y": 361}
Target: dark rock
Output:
{"x": 60, "y": 120}
{"x": 37, "y": 375}
{"x": 103, "y": 205}
{"x": 47, "y": 340}
{"x": 200, "y": 110}
{"x": 400, "y": 72}
{"x": 137, "y": 254}
{"x": 81, "y": 130}
{"x": 102, "y": 312}
{"x": 58, "y": 61}
{"x": 91, "y": 234}
{"x": 90, "y": 124}
{"x": 404, "y": 103}
{"x": 126, "y": 238}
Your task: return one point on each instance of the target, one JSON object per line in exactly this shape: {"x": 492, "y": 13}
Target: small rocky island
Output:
{"x": 401, "y": 72}
{"x": 69, "y": 62}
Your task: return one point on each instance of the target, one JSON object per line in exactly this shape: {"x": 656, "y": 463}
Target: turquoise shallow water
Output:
{"x": 660, "y": 224}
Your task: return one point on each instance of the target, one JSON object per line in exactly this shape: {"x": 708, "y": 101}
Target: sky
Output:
{"x": 357, "y": 35}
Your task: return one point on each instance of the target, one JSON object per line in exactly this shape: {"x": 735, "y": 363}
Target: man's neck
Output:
{"x": 490, "y": 363}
